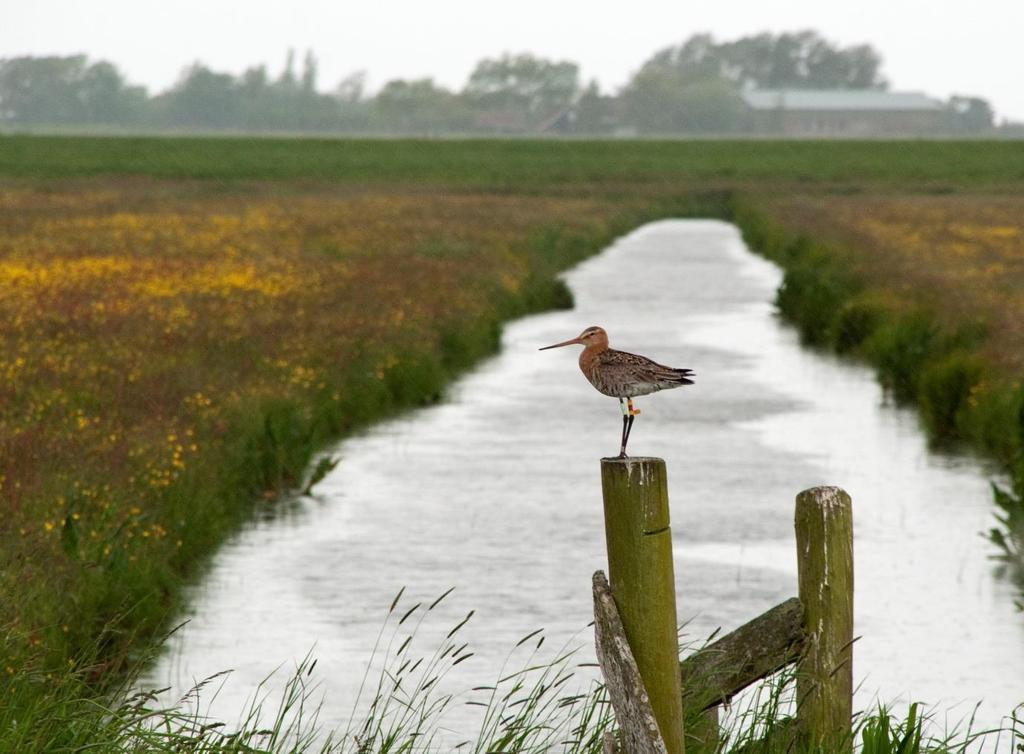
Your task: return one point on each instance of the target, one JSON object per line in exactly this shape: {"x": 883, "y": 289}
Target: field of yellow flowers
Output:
{"x": 962, "y": 256}
{"x": 928, "y": 287}
{"x": 170, "y": 352}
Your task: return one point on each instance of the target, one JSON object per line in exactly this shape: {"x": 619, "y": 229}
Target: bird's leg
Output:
{"x": 625, "y": 428}
{"x": 629, "y": 428}
{"x": 630, "y": 415}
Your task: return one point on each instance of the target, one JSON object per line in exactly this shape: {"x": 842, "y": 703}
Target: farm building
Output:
{"x": 839, "y": 112}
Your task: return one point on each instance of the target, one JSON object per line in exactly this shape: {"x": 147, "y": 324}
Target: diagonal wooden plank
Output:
{"x": 756, "y": 649}
{"x": 638, "y": 727}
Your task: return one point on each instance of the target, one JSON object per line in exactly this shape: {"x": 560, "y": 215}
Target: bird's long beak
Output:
{"x": 563, "y": 343}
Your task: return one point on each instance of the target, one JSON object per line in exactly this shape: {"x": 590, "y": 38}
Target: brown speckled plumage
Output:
{"x": 626, "y": 375}
{"x": 623, "y": 375}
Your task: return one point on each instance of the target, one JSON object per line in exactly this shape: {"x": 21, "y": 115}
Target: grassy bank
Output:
{"x": 174, "y": 355}
{"x": 930, "y": 291}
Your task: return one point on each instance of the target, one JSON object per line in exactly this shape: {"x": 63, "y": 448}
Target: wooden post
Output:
{"x": 824, "y": 684}
{"x": 642, "y": 580}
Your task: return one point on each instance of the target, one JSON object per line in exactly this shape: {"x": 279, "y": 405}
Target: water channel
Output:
{"x": 497, "y": 492}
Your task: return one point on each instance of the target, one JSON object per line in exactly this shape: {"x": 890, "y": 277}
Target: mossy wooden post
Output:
{"x": 824, "y": 682}
{"x": 642, "y": 580}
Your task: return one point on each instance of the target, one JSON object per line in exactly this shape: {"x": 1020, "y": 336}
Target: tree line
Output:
{"x": 694, "y": 87}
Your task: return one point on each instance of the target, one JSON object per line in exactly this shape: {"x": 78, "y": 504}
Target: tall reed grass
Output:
{"x": 541, "y": 700}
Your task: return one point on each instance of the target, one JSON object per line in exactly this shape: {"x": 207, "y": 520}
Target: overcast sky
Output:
{"x": 939, "y": 47}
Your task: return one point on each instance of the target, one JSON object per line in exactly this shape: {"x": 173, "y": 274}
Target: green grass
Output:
{"x": 541, "y": 701}
{"x": 523, "y": 165}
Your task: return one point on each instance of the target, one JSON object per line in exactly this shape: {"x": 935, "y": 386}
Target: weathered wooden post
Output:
{"x": 640, "y": 570}
{"x": 824, "y": 683}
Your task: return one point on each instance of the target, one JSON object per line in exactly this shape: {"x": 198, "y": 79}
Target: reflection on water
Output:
{"x": 497, "y": 492}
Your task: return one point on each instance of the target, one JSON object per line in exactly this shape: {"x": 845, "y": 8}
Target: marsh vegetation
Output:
{"x": 185, "y": 322}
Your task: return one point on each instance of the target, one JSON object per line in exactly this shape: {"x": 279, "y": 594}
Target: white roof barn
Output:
{"x": 838, "y": 112}
{"x": 838, "y": 99}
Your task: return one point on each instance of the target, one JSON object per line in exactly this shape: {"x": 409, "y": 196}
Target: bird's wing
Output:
{"x": 643, "y": 369}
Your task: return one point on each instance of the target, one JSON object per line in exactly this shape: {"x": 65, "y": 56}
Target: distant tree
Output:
{"x": 256, "y": 98}
{"x": 254, "y": 101}
{"x": 255, "y": 81}
{"x": 684, "y": 89}
{"x": 419, "y": 107}
{"x": 42, "y": 90}
{"x": 528, "y": 89}
{"x": 799, "y": 60}
{"x": 204, "y": 98}
{"x": 660, "y": 101}
{"x": 351, "y": 88}
{"x": 695, "y": 86}
{"x": 696, "y": 59}
{"x": 309, "y": 72}
{"x": 287, "y": 79}
{"x": 596, "y": 113}
{"x": 971, "y": 114}
{"x": 107, "y": 98}
{"x": 66, "y": 90}
{"x": 298, "y": 104}
{"x": 354, "y": 112}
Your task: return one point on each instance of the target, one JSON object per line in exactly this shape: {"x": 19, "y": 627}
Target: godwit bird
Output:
{"x": 622, "y": 375}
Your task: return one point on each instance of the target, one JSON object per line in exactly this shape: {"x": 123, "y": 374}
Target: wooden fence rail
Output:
{"x": 765, "y": 645}
{"x": 635, "y": 619}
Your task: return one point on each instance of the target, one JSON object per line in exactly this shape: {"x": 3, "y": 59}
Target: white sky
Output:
{"x": 939, "y": 47}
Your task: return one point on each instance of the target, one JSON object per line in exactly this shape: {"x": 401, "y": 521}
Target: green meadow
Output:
{"x": 526, "y": 165}
{"x": 186, "y": 321}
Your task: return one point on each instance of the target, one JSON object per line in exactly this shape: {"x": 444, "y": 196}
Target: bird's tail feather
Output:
{"x": 682, "y": 376}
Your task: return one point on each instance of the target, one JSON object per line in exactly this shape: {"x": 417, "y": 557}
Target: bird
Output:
{"x": 622, "y": 375}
